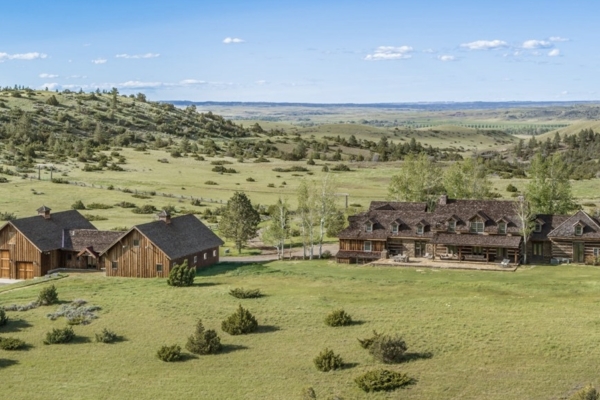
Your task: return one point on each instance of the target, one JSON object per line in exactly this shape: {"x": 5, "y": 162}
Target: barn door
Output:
{"x": 24, "y": 270}
{"x": 4, "y": 264}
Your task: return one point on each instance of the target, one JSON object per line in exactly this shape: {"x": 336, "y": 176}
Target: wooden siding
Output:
{"x": 491, "y": 253}
{"x": 358, "y": 245}
{"x": 564, "y": 248}
{"x": 21, "y": 250}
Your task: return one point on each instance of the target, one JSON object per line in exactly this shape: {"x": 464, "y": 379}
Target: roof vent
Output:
{"x": 44, "y": 212}
{"x": 164, "y": 216}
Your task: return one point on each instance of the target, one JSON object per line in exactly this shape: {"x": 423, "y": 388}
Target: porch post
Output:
{"x": 459, "y": 253}
{"x": 516, "y": 254}
{"x": 487, "y": 254}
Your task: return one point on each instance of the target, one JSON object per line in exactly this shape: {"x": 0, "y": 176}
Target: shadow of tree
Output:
{"x": 230, "y": 348}
{"x": 206, "y": 284}
{"x": 15, "y": 325}
{"x": 7, "y": 363}
{"x": 350, "y": 365}
{"x": 267, "y": 329}
{"x": 226, "y": 267}
{"x": 408, "y": 357}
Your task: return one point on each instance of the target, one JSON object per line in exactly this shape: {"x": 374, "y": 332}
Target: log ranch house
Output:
{"x": 31, "y": 247}
{"x": 465, "y": 231}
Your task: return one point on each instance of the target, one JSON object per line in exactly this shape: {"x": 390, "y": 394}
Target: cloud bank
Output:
{"x": 390, "y": 53}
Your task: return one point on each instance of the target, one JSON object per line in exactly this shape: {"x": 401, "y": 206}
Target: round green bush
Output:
{"x": 242, "y": 293}
{"x": 338, "y": 318}
{"x": 106, "y": 336}
{"x": 11, "y": 343}
{"x": 587, "y": 393}
{"x": 48, "y": 296}
{"x": 3, "y": 317}
{"x": 169, "y": 353}
{"x": 203, "y": 341}
{"x": 327, "y": 360}
{"x": 240, "y": 323}
{"x": 382, "y": 380}
{"x": 388, "y": 349}
{"x": 58, "y": 336}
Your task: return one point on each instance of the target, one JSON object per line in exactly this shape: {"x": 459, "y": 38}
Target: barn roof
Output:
{"x": 47, "y": 233}
{"x": 182, "y": 236}
{"x": 98, "y": 241}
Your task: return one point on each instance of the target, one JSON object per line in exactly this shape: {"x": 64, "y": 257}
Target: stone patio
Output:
{"x": 428, "y": 263}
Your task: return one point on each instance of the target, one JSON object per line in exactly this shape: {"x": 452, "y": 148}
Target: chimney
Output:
{"x": 443, "y": 200}
{"x": 164, "y": 216}
{"x": 44, "y": 212}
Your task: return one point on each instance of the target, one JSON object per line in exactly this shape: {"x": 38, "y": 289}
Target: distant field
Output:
{"x": 473, "y": 335}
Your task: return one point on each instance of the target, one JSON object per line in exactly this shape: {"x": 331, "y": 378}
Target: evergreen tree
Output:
{"x": 240, "y": 220}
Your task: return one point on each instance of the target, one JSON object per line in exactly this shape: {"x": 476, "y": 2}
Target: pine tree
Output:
{"x": 181, "y": 275}
{"x": 240, "y": 220}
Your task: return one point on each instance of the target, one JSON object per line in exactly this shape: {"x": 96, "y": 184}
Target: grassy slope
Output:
{"x": 532, "y": 334}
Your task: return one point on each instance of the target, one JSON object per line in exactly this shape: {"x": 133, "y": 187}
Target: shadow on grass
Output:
{"x": 226, "y": 267}
{"x": 350, "y": 365}
{"x": 230, "y": 348}
{"x": 408, "y": 357}
{"x": 15, "y": 325}
{"x": 187, "y": 357}
{"x": 357, "y": 323}
{"x": 7, "y": 363}
{"x": 206, "y": 284}
{"x": 267, "y": 329}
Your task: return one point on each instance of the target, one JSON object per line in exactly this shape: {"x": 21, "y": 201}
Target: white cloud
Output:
{"x": 485, "y": 45}
{"x": 137, "y": 56}
{"x": 536, "y": 44}
{"x": 446, "y": 58}
{"x": 229, "y": 40}
{"x": 554, "y": 53}
{"x": 99, "y": 61}
{"x": 558, "y": 39}
{"x": 390, "y": 53}
{"x": 50, "y": 86}
{"x": 22, "y": 56}
{"x": 48, "y": 76}
{"x": 76, "y": 77}
{"x": 139, "y": 85}
{"x": 192, "y": 82}
{"x": 261, "y": 82}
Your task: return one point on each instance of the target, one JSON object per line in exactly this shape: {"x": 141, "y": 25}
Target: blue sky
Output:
{"x": 306, "y": 51}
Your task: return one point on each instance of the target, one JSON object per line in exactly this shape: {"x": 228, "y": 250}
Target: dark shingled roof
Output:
{"x": 79, "y": 239}
{"x": 181, "y": 237}
{"x": 47, "y": 234}
{"x": 477, "y": 240}
{"x": 397, "y": 206}
{"x": 591, "y": 227}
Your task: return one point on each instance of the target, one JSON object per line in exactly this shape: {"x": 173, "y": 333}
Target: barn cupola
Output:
{"x": 44, "y": 212}
{"x": 164, "y": 216}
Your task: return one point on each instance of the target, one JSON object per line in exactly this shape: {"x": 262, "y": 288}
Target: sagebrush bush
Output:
{"x": 309, "y": 394}
{"x": 382, "y": 380}
{"x": 242, "y": 293}
{"x": 388, "y": 349}
{"x": 48, "y": 296}
{"x": 57, "y": 336}
{"x": 77, "y": 312}
{"x": 169, "y": 353}
{"x": 182, "y": 275}
{"x": 106, "y": 336}
{"x": 203, "y": 341}
{"x": 3, "y": 317}
{"x": 587, "y": 393}
{"x": 327, "y": 360}
{"x": 366, "y": 343}
{"x": 338, "y": 318}
{"x": 240, "y": 323}
{"x": 11, "y": 343}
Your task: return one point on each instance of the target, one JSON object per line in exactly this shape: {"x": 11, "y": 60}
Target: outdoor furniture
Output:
{"x": 505, "y": 262}
{"x": 429, "y": 256}
{"x": 401, "y": 258}
{"x": 449, "y": 256}
{"x": 475, "y": 257}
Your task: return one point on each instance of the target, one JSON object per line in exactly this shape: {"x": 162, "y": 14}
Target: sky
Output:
{"x": 306, "y": 51}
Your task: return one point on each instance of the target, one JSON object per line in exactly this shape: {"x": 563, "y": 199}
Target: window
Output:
{"x": 578, "y": 230}
{"x": 477, "y": 250}
{"x": 538, "y": 227}
{"x": 477, "y": 226}
{"x": 420, "y": 229}
{"x": 195, "y": 259}
{"x": 136, "y": 243}
{"x": 596, "y": 252}
{"x": 205, "y": 255}
{"x": 159, "y": 268}
{"x": 69, "y": 256}
{"x": 368, "y": 227}
{"x": 538, "y": 249}
{"x": 451, "y": 226}
{"x": 114, "y": 265}
{"x": 214, "y": 253}
{"x": 367, "y": 246}
{"x": 394, "y": 228}
{"x": 452, "y": 250}
{"x": 502, "y": 227}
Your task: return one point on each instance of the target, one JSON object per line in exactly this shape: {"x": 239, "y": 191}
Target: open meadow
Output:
{"x": 532, "y": 334}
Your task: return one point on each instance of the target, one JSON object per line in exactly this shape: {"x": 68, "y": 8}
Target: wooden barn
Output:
{"x": 152, "y": 249}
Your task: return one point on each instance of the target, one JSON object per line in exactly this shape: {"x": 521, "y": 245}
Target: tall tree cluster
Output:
{"x": 549, "y": 188}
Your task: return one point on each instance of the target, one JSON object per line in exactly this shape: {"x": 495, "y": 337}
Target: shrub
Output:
{"x": 106, "y": 336}
{"x": 511, "y": 188}
{"x": 250, "y": 179}
{"x": 59, "y": 180}
{"x": 196, "y": 202}
{"x": 76, "y": 313}
{"x": 388, "y": 349}
{"x": 271, "y": 185}
{"x": 242, "y": 293}
{"x": 94, "y": 217}
{"x": 182, "y": 275}
{"x": 368, "y": 342}
{"x": 145, "y": 209}
{"x": 587, "y": 393}
{"x": 213, "y": 183}
{"x": 326, "y": 255}
{"x": 48, "y": 296}
{"x": 7, "y": 216}
{"x": 327, "y": 360}
{"x": 240, "y": 323}
{"x": 98, "y": 206}
{"x": 338, "y": 318}
{"x": 58, "y": 336}
{"x": 126, "y": 204}
{"x": 203, "y": 341}
{"x": 78, "y": 205}
{"x": 340, "y": 168}
{"x": 309, "y": 394}
{"x": 169, "y": 353}
{"x": 382, "y": 379}
{"x": 3, "y": 317}
{"x": 11, "y": 343}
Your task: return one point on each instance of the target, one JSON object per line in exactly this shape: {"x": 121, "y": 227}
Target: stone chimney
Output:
{"x": 164, "y": 216}
{"x": 443, "y": 200}
{"x": 44, "y": 212}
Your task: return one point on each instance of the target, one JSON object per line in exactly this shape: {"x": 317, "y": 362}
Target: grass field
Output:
{"x": 532, "y": 334}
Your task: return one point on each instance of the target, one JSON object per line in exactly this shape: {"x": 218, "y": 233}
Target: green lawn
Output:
{"x": 532, "y": 334}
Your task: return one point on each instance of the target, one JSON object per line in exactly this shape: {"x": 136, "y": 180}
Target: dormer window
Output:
{"x": 394, "y": 227}
{"x": 501, "y": 227}
{"x": 452, "y": 226}
{"x": 477, "y": 226}
{"x": 367, "y": 246}
{"x": 578, "y": 230}
{"x": 537, "y": 227}
{"x": 369, "y": 227}
{"x": 420, "y": 229}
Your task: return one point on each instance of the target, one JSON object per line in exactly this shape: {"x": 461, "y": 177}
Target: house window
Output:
{"x": 420, "y": 229}
{"x": 368, "y": 227}
{"x": 114, "y": 265}
{"x": 538, "y": 249}
{"x": 596, "y": 251}
{"x": 477, "y": 226}
{"x": 452, "y": 226}
{"x": 538, "y": 227}
{"x": 205, "y": 255}
{"x": 367, "y": 246}
{"x": 452, "y": 250}
{"x": 578, "y": 230}
{"x": 69, "y": 257}
{"x": 394, "y": 228}
{"x": 159, "y": 268}
{"x": 136, "y": 243}
{"x": 477, "y": 250}
{"x": 195, "y": 259}
{"x": 502, "y": 227}
{"x": 214, "y": 253}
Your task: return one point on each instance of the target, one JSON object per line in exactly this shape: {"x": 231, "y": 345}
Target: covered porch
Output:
{"x": 441, "y": 264}
{"x": 477, "y": 248}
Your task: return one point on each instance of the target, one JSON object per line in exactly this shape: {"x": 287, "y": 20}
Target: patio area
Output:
{"x": 446, "y": 264}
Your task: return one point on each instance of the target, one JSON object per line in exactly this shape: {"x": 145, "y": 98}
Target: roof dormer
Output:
{"x": 421, "y": 225}
{"x": 395, "y": 225}
{"x": 578, "y": 228}
{"x": 502, "y": 225}
{"x": 538, "y": 223}
{"x": 369, "y": 224}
